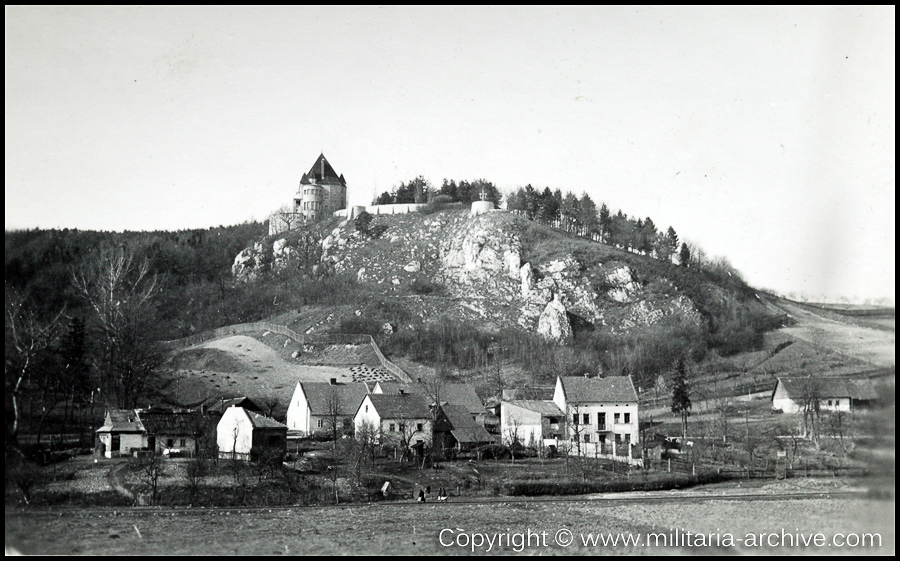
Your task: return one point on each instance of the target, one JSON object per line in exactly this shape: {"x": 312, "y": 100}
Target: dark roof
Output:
{"x": 323, "y": 173}
{"x": 458, "y": 417}
{"x": 389, "y": 388}
{"x": 470, "y": 435}
{"x": 545, "y": 408}
{"x": 121, "y": 420}
{"x": 220, "y": 405}
{"x": 825, "y": 387}
{"x": 453, "y": 394}
{"x": 403, "y": 406}
{"x": 263, "y": 422}
{"x": 169, "y": 422}
{"x": 320, "y": 396}
{"x": 610, "y": 389}
{"x": 463, "y": 395}
{"x": 528, "y": 393}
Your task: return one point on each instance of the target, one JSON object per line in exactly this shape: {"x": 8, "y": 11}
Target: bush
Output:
{"x": 363, "y": 223}
{"x": 424, "y": 286}
{"x": 536, "y": 488}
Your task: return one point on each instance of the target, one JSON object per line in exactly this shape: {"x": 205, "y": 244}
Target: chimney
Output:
{"x": 333, "y": 381}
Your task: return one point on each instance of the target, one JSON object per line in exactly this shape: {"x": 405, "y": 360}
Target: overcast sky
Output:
{"x": 765, "y": 135}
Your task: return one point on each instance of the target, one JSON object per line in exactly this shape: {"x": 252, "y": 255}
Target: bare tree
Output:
{"x": 195, "y": 472}
{"x": 513, "y": 437}
{"x": 28, "y": 341}
{"x": 333, "y": 417}
{"x": 810, "y": 404}
{"x": 121, "y": 295}
{"x": 150, "y": 468}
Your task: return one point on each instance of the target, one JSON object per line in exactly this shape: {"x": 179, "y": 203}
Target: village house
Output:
{"x": 395, "y": 419}
{"x": 601, "y": 413}
{"x": 247, "y": 435}
{"x": 121, "y": 433}
{"x": 447, "y": 393}
{"x": 171, "y": 432}
{"x": 795, "y": 394}
{"x": 316, "y": 406}
{"x": 533, "y": 423}
{"x": 456, "y": 428}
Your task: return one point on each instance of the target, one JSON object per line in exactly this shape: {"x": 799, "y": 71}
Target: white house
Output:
{"x": 243, "y": 434}
{"x": 531, "y": 422}
{"x": 122, "y": 432}
{"x": 599, "y": 412}
{"x": 315, "y": 405}
{"x": 398, "y": 419}
{"x": 794, "y": 394}
{"x": 157, "y": 430}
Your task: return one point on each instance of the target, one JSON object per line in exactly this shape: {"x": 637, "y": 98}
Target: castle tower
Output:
{"x": 322, "y": 191}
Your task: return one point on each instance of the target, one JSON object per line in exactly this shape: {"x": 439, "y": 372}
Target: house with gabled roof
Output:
{"x": 159, "y": 430}
{"x": 533, "y": 423}
{"x": 315, "y": 406}
{"x": 122, "y": 432}
{"x": 456, "y": 428}
{"x": 395, "y": 419}
{"x": 792, "y": 394}
{"x": 598, "y": 411}
{"x": 463, "y": 395}
{"x": 244, "y": 435}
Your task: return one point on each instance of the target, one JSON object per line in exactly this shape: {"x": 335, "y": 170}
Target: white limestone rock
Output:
{"x": 553, "y": 324}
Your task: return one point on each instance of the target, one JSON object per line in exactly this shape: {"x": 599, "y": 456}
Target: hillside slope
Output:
{"x": 499, "y": 270}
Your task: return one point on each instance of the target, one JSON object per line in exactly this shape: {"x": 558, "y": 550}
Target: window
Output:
{"x": 627, "y": 439}
{"x": 182, "y": 443}
{"x": 616, "y": 418}
{"x": 575, "y": 418}
{"x": 829, "y": 402}
{"x": 587, "y": 418}
{"x": 419, "y": 426}
{"x": 627, "y": 418}
{"x": 391, "y": 427}
{"x": 320, "y": 423}
{"x": 587, "y": 438}
{"x": 402, "y": 427}
{"x": 601, "y": 421}
{"x": 367, "y": 408}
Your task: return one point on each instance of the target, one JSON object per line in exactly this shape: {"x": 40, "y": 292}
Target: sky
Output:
{"x": 765, "y": 135}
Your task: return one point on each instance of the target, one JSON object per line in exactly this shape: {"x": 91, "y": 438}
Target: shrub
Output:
{"x": 555, "y": 487}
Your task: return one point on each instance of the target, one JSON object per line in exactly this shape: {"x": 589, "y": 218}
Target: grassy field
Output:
{"x": 416, "y": 529}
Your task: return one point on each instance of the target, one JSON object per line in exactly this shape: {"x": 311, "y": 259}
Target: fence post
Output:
{"x": 670, "y": 464}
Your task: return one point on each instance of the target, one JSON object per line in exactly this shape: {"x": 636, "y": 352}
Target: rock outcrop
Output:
{"x": 478, "y": 253}
{"x": 471, "y": 268}
{"x": 554, "y": 324}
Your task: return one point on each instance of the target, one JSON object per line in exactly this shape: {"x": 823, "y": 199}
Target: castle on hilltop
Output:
{"x": 321, "y": 192}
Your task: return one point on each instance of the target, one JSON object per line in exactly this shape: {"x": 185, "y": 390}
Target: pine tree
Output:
{"x": 685, "y": 255}
{"x": 681, "y": 399}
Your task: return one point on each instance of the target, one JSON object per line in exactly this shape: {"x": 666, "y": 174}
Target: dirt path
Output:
{"x": 875, "y": 346}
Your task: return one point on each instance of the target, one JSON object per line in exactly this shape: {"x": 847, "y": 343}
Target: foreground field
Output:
{"x": 416, "y": 529}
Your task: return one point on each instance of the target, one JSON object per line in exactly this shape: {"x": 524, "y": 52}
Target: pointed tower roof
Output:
{"x": 323, "y": 173}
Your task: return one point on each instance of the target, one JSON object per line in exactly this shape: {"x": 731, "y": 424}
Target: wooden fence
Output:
{"x": 301, "y": 338}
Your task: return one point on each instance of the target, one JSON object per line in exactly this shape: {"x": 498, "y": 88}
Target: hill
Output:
{"x": 471, "y": 290}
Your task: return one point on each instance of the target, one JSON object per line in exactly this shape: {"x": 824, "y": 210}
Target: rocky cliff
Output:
{"x": 497, "y": 268}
